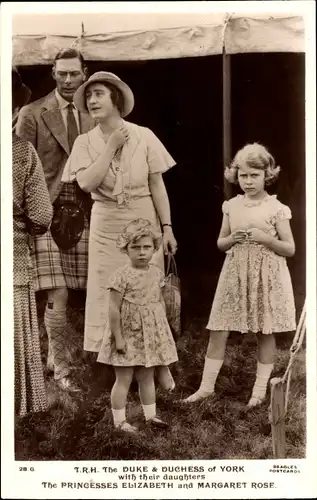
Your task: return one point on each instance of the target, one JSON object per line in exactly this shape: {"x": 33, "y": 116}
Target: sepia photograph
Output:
{"x": 159, "y": 245}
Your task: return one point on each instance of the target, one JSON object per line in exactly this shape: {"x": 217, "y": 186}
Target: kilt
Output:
{"x": 54, "y": 267}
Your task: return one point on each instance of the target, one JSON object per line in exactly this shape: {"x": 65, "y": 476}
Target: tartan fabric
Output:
{"x": 54, "y": 267}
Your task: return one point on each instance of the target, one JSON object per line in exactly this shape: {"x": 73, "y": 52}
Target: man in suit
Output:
{"x": 51, "y": 124}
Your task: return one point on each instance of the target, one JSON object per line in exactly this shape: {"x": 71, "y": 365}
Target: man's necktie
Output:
{"x": 72, "y": 130}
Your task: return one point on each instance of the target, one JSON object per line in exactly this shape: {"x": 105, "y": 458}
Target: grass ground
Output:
{"x": 80, "y": 427}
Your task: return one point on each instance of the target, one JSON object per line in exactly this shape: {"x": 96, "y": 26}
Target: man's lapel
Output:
{"x": 52, "y": 116}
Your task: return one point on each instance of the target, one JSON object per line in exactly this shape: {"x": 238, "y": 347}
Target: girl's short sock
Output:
{"x": 118, "y": 416}
{"x": 149, "y": 411}
{"x": 263, "y": 374}
{"x": 207, "y": 386}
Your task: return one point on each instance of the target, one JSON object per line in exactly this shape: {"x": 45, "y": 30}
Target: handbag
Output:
{"x": 172, "y": 296}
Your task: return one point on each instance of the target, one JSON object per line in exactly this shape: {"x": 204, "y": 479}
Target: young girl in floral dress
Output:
{"x": 138, "y": 337}
{"x": 254, "y": 292}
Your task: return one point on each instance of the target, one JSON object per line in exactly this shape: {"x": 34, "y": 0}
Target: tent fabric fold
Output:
{"x": 265, "y": 35}
{"x": 237, "y": 34}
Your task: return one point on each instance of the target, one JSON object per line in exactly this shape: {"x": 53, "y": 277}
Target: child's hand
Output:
{"x": 239, "y": 236}
{"x": 257, "y": 235}
{"x": 120, "y": 346}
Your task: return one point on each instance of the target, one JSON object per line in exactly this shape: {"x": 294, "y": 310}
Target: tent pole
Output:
{"x": 226, "y": 117}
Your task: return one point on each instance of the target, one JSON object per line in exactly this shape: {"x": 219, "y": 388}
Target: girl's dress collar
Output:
{"x": 256, "y": 203}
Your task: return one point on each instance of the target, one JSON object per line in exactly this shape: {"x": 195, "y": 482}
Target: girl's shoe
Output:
{"x": 157, "y": 422}
{"x": 255, "y": 401}
{"x": 126, "y": 427}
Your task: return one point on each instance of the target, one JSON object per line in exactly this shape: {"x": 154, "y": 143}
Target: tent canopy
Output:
{"x": 141, "y": 37}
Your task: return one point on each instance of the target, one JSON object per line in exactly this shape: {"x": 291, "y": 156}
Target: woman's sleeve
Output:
{"x": 79, "y": 159}
{"x": 37, "y": 204}
{"x": 158, "y": 158}
{"x": 117, "y": 281}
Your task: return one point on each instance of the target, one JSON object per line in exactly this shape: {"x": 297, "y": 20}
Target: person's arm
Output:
{"x": 226, "y": 239}
{"x": 26, "y": 126}
{"x": 91, "y": 177}
{"x": 115, "y": 319}
{"x": 162, "y": 206}
{"x": 38, "y": 207}
{"x": 159, "y": 160}
{"x": 162, "y": 301}
{"x": 162, "y": 285}
{"x": 285, "y": 246}
{"x": 92, "y": 174}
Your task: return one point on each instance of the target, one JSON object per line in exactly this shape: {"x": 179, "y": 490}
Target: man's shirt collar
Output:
{"x": 61, "y": 101}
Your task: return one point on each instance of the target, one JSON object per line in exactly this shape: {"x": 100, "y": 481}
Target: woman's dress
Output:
{"x": 123, "y": 196}
{"x": 32, "y": 212}
{"x": 144, "y": 326}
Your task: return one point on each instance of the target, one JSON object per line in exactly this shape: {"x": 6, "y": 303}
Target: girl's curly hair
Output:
{"x": 254, "y": 156}
{"x": 136, "y": 230}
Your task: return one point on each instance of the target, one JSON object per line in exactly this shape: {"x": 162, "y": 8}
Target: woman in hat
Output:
{"x": 121, "y": 165}
{"x": 32, "y": 214}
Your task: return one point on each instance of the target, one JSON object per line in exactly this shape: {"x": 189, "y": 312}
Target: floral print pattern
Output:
{"x": 144, "y": 326}
{"x": 254, "y": 291}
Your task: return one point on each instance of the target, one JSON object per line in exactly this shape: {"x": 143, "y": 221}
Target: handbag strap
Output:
{"x": 171, "y": 265}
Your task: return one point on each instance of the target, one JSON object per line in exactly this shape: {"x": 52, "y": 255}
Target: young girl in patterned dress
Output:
{"x": 138, "y": 337}
{"x": 254, "y": 291}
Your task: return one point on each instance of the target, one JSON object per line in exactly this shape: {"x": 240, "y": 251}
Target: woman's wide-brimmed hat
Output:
{"x": 21, "y": 93}
{"x": 105, "y": 77}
